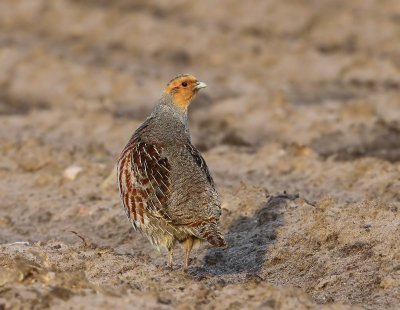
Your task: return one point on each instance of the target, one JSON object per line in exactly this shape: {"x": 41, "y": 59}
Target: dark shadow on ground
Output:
{"x": 248, "y": 241}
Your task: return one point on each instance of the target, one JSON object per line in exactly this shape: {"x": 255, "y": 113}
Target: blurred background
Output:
{"x": 303, "y": 96}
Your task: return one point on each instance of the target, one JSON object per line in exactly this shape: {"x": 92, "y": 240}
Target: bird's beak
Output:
{"x": 200, "y": 85}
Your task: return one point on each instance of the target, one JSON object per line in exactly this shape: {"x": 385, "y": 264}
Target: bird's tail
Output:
{"x": 212, "y": 234}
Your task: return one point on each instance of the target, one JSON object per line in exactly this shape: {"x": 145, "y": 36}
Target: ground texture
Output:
{"x": 300, "y": 126}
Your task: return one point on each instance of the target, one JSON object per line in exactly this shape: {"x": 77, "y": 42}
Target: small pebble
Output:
{"x": 72, "y": 172}
{"x": 366, "y": 226}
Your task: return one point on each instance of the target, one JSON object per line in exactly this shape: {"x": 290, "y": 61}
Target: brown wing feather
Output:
{"x": 144, "y": 180}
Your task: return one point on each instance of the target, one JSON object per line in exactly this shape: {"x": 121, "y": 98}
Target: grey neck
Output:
{"x": 165, "y": 106}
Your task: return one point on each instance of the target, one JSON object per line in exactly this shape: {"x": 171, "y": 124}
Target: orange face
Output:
{"x": 182, "y": 89}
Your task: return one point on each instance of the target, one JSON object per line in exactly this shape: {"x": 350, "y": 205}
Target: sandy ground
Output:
{"x": 300, "y": 126}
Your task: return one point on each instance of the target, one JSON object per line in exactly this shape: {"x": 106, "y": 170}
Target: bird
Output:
{"x": 165, "y": 186}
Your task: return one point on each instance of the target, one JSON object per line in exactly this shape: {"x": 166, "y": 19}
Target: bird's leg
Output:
{"x": 188, "y": 245}
{"x": 170, "y": 252}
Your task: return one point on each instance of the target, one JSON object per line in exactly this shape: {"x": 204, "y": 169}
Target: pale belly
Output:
{"x": 162, "y": 234}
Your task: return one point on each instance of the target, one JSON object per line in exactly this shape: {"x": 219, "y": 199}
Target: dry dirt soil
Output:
{"x": 300, "y": 126}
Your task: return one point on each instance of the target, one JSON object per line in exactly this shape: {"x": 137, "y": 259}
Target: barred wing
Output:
{"x": 144, "y": 181}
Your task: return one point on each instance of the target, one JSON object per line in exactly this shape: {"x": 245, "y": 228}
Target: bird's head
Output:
{"x": 182, "y": 89}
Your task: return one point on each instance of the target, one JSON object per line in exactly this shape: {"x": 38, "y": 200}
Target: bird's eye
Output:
{"x": 184, "y": 84}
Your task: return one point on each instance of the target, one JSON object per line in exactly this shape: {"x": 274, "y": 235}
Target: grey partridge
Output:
{"x": 166, "y": 188}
